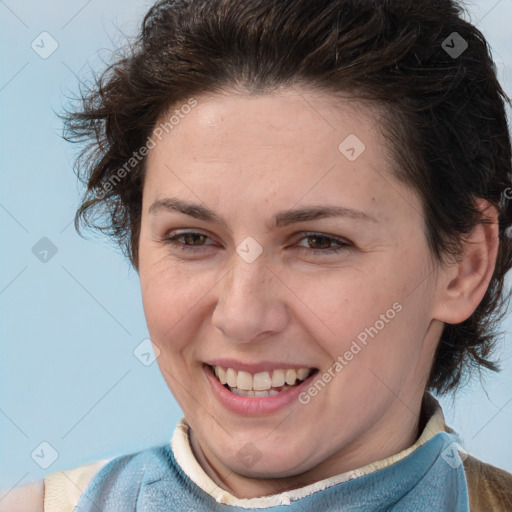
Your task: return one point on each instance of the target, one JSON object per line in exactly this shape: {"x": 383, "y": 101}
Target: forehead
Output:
{"x": 298, "y": 120}
{"x": 285, "y": 145}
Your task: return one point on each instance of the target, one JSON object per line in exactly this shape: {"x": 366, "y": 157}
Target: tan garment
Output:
{"x": 490, "y": 488}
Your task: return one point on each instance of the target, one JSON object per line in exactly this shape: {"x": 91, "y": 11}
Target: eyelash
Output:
{"x": 342, "y": 244}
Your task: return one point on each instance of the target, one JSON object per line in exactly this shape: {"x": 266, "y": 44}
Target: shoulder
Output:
{"x": 63, "y": 490}
{"x": 489, "y": 487}
{"x": 23, "y": 498}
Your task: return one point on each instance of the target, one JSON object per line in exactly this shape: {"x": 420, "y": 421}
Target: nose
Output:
{"x": 250, "y": 303}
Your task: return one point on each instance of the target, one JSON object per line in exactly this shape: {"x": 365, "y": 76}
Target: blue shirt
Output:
{"x": 429, "y": 479}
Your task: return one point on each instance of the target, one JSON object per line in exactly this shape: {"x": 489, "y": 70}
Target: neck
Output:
{"x": 366, "y": 449}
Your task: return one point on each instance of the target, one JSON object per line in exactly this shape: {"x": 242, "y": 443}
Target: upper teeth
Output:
{"x": 261, "y": 381}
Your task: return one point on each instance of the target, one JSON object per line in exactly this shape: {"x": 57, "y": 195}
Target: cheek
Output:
{"x": 172, "y": 300}
{"x": 343, "y": 303}
{"x": 366, "y": 317}
{"x": 382, "y": 346}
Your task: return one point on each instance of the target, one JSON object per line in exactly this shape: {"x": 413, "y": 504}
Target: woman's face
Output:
{"x": 275, "y": 238}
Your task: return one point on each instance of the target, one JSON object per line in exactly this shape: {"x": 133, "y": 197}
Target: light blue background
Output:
{"x": 68, "y": 375}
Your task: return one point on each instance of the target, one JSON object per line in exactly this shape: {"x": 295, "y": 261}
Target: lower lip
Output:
{"x": 255, "y": 406}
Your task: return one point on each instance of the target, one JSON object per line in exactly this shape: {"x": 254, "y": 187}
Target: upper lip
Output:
{"x": 256, "y": 367}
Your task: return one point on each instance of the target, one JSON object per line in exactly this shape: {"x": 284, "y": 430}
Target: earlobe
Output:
{"x": 462, "y": 285}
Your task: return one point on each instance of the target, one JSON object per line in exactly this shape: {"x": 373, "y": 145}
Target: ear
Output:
{"x": 462, "y": 285}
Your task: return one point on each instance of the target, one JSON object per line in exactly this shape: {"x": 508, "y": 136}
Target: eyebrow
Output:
{"x": 281, "y": 219}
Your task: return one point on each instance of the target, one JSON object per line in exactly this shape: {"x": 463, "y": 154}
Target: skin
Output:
{"x": 247, "y": 158}
{"x": 22, "y": 498}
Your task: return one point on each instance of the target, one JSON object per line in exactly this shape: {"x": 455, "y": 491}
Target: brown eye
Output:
{"x": 193, "y": 238}
{"x": 318, "y": 243}
{"x": 191, "y": 241}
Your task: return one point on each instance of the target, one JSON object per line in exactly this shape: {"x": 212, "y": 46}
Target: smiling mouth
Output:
{"x": 260, "y": 384}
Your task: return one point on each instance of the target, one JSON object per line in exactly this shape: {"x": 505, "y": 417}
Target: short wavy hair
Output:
{"x": 430, "y": 70}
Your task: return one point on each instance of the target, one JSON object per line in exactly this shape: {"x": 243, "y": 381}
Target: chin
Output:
{"x": 270, "y": 470}
{"x": 269, "y": 462}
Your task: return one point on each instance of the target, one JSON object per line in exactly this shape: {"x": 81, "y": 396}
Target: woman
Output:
{"x": 314, "y": 195}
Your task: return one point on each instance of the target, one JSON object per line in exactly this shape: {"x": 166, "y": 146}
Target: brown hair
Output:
{"x": 445, "y": 115}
